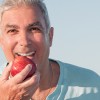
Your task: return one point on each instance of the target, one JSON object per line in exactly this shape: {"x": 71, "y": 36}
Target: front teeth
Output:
{"x": 26, "y": 54}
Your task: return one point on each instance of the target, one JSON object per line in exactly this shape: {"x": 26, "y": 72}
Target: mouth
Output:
{"x": 28, "y": 54}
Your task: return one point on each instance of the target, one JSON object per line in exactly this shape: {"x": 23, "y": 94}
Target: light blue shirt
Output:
{"x": 76, "y": 83}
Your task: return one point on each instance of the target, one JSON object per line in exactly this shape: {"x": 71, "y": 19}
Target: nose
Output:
{"x": 24, "y": 40}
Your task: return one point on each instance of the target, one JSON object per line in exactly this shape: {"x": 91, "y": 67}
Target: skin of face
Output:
{"x": 24, "y": 31}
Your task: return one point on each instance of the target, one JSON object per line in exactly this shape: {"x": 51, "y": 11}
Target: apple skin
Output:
{"x": 20, "y": 63}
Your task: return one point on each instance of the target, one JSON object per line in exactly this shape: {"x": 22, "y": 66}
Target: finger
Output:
{"x": 30, "y": 85}
{"x": 34, "y": 80}
{"x": 6, "y": 72}
{"x": 18, "y": 78}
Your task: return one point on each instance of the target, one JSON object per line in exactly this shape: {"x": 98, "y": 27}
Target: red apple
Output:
{"x": 20, "y": 63}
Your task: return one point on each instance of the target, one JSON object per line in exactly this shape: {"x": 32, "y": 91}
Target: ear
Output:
{"x": 51, "y": 32}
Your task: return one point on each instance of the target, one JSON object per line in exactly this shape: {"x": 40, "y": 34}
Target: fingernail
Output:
{"x": 10, "y": 63}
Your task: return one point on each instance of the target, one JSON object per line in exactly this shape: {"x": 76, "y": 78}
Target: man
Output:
{"x": 26, "y": 31}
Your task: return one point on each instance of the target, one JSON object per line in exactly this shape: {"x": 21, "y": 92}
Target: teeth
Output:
{"x": 26, "y": 54}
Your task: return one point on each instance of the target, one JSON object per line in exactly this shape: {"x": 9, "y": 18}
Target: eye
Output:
{"x": 12, "y": 31}
{"x": 35, "y": 30}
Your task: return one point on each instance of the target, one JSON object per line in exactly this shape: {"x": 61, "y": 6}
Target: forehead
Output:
{"x": 22, "y": 15}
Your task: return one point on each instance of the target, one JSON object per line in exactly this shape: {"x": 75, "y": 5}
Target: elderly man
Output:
{"x": 26, "y": 31}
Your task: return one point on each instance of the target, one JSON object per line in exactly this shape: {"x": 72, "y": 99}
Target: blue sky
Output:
{"x": 77, "y": 32}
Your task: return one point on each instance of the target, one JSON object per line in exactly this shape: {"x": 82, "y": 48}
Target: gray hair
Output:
{"x": 8, "y": 4}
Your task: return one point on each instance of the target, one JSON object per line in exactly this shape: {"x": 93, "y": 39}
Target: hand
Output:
{"x": 16, "y": 88}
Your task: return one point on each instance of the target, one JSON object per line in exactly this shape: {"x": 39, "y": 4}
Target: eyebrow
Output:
{"x": 36, "y": 24}
{"x": 29, "y": 25}
{"x": 11, "y": 26}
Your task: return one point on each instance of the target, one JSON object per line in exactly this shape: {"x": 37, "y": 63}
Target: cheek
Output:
{"x": 7, "y": 43}
{"x": 43, "y": 46}
{"x": 42, "y": 41}
{"x": 7, "y": 46}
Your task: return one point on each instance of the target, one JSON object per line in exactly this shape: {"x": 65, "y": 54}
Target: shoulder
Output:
{"x": 77, "y": 75}
{"x": 77, "y": 83}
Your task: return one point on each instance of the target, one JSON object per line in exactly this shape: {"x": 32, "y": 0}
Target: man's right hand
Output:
{"x": 16, "y": 88}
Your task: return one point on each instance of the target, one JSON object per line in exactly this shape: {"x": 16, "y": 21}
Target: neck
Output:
{"x": 48, "y": 81}
{"x": 45, "y": 76}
